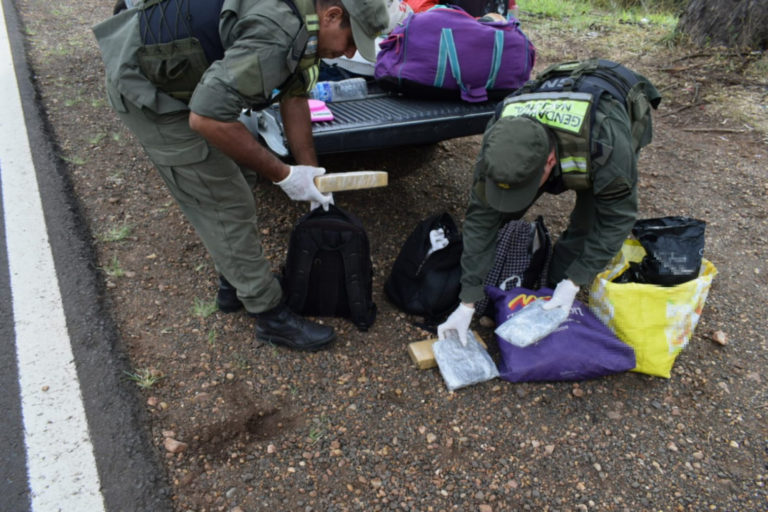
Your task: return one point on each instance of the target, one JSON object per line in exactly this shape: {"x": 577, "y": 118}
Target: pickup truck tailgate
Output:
{"x": 378, "y": 121}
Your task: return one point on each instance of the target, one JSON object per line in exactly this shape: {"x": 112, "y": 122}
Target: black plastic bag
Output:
{"x": 674, "y": 247}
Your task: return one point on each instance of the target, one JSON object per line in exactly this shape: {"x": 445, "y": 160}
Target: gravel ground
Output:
{"x": 358, "y": 427}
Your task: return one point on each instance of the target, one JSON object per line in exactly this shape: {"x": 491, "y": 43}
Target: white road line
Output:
{"x": 60, "y": 463}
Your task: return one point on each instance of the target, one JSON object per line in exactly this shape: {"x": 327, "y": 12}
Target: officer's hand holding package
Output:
{"x": 458, "y": 321}
{"x": 248, "y": 56}
{"x": 522, "y": 158}
{"x": 299, "y": 185}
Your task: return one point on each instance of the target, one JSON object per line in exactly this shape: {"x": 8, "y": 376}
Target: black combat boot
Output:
{"x": 282, "y": 326}
{"x": 226, "y": 299}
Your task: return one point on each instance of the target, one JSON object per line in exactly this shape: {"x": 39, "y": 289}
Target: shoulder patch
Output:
{"x": 311, "y": 46}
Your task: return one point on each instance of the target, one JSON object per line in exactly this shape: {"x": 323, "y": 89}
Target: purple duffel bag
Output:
{"x": 445, "y": 53}
{"x": 581, "y": 348}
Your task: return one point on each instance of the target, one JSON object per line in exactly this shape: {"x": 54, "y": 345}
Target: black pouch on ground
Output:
{"x": 674, "y": 247}
{"x": 328, "y": 270}
{"x": 424, "y": 283}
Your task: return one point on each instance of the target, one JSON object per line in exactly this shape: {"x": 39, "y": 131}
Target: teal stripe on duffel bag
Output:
{"x": 448, "y": 54}
{"x": 498, "y": 50}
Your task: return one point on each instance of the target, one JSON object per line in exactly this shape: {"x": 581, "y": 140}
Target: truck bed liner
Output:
{"x": 379, "y": 121}
{"x": 388, "y": 121}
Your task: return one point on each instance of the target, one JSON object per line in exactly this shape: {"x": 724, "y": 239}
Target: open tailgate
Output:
{"x": 376, "y": 122}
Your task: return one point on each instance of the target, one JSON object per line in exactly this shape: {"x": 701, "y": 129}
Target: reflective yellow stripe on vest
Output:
{"x": 573, "y": 164}
{"x": 312, "y": 73}
{"x": 313, "y": 22}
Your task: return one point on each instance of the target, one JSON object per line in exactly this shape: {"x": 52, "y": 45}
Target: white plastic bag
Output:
{"x": 530, "y": 324}
{"x": 463, "y": 366}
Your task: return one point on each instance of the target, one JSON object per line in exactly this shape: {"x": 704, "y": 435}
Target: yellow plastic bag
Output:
{"x": 657, "y": 321}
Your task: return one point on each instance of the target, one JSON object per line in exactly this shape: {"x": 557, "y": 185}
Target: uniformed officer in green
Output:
{"x": 551, "y": 141}
{"x": 180, "y": 72}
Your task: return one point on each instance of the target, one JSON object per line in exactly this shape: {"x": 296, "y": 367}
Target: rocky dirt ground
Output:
{"x": 358, "y": 427}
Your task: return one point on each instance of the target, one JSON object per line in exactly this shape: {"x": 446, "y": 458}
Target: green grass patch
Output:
{"x": 114, "y": 269}
{"x": 95, "y": 139}
{"x": 74, "y": 159}
{"x": 204, "y": 308}
{"x": 319, "y": 428}
{"x": 116, "y": 233}
{"x": 582, "y": 15}
{"x": 144, "y": 378}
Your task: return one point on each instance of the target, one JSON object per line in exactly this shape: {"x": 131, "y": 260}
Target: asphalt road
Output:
{"x": 72, "y": 433}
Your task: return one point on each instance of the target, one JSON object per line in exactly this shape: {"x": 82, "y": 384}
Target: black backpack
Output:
{"x": 328, "y": 270}
{"x": 427, "y": 285}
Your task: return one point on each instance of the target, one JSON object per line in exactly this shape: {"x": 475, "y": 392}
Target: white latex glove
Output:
{"x": 563, "y": 296}
{"x": 458, "y": 321}
{"x": 299, "y": 185}
{"x": 315, "y": 204}
{"x": 437, "y": 240}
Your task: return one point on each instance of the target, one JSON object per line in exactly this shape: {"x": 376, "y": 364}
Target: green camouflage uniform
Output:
{"x": 600, "y": 221}
{"x": 271, "y": 52}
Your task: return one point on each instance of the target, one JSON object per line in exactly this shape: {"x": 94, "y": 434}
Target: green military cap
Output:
{"x": 514, "y": 154}
{"x": 369, "y": 18}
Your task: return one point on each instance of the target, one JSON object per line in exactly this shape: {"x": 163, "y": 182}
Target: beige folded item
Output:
{"x": 421, "y": 352}
{"x": 353, "y": 180}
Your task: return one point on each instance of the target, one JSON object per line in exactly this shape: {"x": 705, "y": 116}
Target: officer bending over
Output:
{"x": 551, "y": 136}
{"x": 179, "y": 73}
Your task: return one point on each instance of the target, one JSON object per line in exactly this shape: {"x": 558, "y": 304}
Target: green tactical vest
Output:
{"x": 175, "y": 62}
{"x": 568, "y": 114}
{"x": 564, "y": 96}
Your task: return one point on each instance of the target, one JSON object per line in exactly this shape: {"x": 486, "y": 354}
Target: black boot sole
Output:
{"x": 229, "y": 308}
{"x": 289, "y": 343}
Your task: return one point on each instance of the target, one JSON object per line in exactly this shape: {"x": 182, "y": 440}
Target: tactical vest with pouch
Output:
{"x": 564, "y": 97}
{"x": 181, "y": 40}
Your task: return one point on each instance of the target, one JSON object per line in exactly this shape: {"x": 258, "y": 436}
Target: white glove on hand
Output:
{"x": 458, "y": 321}
{"x": 565, "y": 293}
{"x": 437, "y": 240}
{"x": 315, "y": 204}
{"x": 299, "y": 185}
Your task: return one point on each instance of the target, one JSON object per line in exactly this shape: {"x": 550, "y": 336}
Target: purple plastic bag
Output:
{"x": 581, "y": 348}
{"x": 445, "y": 53}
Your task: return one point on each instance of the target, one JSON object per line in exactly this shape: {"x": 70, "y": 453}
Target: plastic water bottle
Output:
{"x": 343, "y": 90}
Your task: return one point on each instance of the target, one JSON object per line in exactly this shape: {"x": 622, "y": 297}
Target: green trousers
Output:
{"x": 214, "y": 193}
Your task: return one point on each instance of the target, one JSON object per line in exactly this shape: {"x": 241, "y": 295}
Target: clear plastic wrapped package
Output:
{"x": 463, "y": 366}
{"x": 530, "y": 324}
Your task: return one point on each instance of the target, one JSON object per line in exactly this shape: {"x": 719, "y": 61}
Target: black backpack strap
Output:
{"x": 301, "y": 269}
{"x": 361, "y": 309}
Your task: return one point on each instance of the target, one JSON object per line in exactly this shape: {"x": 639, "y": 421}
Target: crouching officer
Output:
{"x": 579, "y": 126}
{"x": 179, "y": 73}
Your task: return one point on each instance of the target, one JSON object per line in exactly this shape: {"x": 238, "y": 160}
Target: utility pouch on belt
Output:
{"x": 175, "y": 67}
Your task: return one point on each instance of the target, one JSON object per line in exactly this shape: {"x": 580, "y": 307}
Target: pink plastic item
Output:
{"x": 319, "y": 111}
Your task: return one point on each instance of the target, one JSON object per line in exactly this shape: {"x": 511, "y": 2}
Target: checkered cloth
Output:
{"x": 515, "y": 246}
